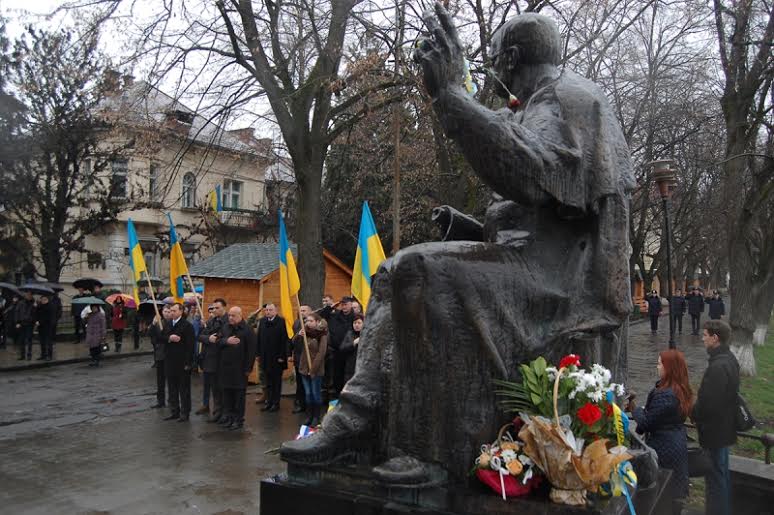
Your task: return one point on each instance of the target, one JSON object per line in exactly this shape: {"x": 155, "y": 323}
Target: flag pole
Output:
{"x": 193, "y": 289}
{"x": 303, "y": 328}
{"x": 153, "y": 297}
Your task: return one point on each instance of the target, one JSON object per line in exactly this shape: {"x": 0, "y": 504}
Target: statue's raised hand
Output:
{"x": 440, "y": 53}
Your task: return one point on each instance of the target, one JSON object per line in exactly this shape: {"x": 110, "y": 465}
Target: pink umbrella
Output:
{"x": 128, "y": 300}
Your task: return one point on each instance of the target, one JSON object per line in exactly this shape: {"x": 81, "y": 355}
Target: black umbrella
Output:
{"x": 9, "y": 289}
{"x": 87, "y": 283}
{"x": 88, "y": 300}
{"x": 146, "y": 307}
{"x": 155, "y": 281}
{"x": 54, "y": 286}
{"x": 37, "y": 289}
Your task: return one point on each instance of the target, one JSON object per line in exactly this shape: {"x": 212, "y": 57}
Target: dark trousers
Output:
{"x": 209, "y": 384}
{"x": 78, "y": 325}
{"x": 678, "y": 322}
{"x": 161, "y": 382}
{"x": 654, "y": 322}
{"x": 695, "y": 323}
{"x": 95, "y": 352}
{"x": 25, "y": 340}
{"x": 234, "y": 404}
{"x": 136, "y": 336}
{"x": 717, "y": 489}
{"x": 46, "y": 337}
{"x": 300, "y": 393}
{"x": 274, "y": 384}
{"x": 118, "y": 337}
{"x": 179, "y": 387}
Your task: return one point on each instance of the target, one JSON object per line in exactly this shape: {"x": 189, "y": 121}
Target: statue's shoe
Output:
{"x": 406, "y": 470}
{"x": 321, "y": 448}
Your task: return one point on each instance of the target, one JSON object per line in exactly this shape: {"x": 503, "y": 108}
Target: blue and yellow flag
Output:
{"x": 370, "y": 255}
{"x": 214, "y": 200}
{"x": 177, "y": 267}
{"x": 136, "y": 259}
{"x": 289, "y": 282}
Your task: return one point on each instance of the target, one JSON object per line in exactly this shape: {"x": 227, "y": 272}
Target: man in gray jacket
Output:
{"x": 210, "y": 358}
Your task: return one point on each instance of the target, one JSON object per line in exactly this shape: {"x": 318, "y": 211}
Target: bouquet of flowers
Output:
{"x": 504, "y": 467}
{"x": 557, "y": 445}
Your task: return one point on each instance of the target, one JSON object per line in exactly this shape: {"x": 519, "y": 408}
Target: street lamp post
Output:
{"x": 664, "y": 176}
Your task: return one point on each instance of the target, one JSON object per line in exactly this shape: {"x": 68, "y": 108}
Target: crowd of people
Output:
{"x": 22, "y": 315}
{"x": 224, "y": 348}
{"x": 713, "y": 411}
{"x": 693, "y": 302}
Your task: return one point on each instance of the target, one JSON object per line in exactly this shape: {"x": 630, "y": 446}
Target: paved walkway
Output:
{"x": 69, "y": 352}
{"x": 643, "y": 355}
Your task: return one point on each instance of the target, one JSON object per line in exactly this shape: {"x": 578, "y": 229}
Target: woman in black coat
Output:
{"x": 662, "y": 418}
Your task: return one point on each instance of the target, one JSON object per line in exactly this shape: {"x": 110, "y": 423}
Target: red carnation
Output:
{"x": 570, "y": 359}
{"x": 589, "y": 414}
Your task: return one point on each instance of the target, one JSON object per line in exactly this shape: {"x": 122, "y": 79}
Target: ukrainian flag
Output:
{"x": 289, "y": 283}
{"x": 136, "y": 259}
{"x": 370, "y": 255}
{"x": 177, "y": 266}
{"x": 214, "y": 200}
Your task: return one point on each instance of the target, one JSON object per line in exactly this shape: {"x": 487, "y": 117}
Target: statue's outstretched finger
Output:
{"x": 446, "y": 22}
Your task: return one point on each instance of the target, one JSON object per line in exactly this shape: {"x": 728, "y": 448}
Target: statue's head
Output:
{"x": 526, "y": 40}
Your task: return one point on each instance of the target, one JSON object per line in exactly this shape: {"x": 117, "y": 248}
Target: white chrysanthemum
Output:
{"x": 509, "y": 455}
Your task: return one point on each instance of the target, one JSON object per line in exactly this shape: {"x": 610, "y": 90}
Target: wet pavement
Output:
{"x": 68, "y": 351}
{"x": 80, "y": 440}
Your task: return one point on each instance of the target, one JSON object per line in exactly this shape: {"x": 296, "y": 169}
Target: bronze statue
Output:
{"x": 548, "y": 275}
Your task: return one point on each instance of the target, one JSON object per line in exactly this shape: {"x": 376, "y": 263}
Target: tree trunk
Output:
{"x": 308, "y": 231}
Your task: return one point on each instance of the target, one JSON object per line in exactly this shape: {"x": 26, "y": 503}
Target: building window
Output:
{"x": 189, "y": 190}
{"x": 120, "y": 170}
{"x": 232, "y": 191}
{"x": 150, "y": 262}
{"x": 153, "y": 183}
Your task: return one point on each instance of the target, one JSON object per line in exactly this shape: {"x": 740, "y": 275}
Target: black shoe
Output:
{"x": 298, "y": 409}
{"x": 213, "y": 420}
{"x": 266, "y": 407}
{"x": 41, "y": 358}
{"x": 273, "y": 408}
{"x": 157, "y": 406}
{"x": 20, "y": 358}
{"x": 172, "y": 417}
{"x": 224, "y": 421}
{"x": 183, "y": 418}
{"x": 236, "y": 426}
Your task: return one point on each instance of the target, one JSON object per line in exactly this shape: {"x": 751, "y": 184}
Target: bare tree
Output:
{"x": 745, "y": 36}
{"x": 56, "y": 182}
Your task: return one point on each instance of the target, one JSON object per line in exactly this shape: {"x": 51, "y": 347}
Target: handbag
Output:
{"x": 699, "y": 463}
{"x": 744, "y": 417}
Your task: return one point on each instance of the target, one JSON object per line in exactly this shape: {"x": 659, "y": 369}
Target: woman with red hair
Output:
{"x": 662, "y": 418}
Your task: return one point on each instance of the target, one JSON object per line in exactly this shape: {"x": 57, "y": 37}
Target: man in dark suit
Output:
{"x": 158, "y": 336}
{"x": 273, "y": 350}
{"x": 237, "y": 357}
{"x": 178, "y": 362}
{"x": 210, "y": 357}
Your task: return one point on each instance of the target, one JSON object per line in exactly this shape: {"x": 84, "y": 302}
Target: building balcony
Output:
{"x": 245, "y": 218}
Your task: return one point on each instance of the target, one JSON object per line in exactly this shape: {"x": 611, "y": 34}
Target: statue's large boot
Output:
{"x": 343, "y": 437}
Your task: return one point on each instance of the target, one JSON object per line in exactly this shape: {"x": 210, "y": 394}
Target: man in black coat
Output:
{"x": 45, "y": 320}
{"x": 273, "y": 342}
{"x": 24, "y": 316}
{"x": 677, "y": 307}
{"x": 339, "y": 324}
{"x": 156, "y": 332}
{"x": 210, "y": 338}
{"x": 237, "y": 357}
{"x": 654, "y": 309}
{"x": 714, "y": 414}
{"x": 76, "y": 309}
{"x": 716, "y": 307}
{"x": 695, "y": 309}
{"x": 178, "y": 362}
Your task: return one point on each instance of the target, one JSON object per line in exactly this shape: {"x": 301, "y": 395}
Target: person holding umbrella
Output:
{"x": 9, "y": 316}
{"x": 96, "y": 332}
{"x": 45, "y": 320}
{"x": 118, "y": 322}
{"x": 75, "y": 310}
{"x": 24, "y": 316}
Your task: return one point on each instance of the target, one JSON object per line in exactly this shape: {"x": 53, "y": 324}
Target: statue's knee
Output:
{"x": 408, "y": 276}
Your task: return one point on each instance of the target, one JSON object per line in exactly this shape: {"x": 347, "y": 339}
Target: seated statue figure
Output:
{"x": 548, "y": 275}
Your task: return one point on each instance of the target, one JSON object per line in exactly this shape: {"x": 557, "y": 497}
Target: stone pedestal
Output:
{"x": 350, "y": 491}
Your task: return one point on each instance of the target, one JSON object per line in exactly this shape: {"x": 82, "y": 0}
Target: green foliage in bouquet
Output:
{"x": 532, "y": 395}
